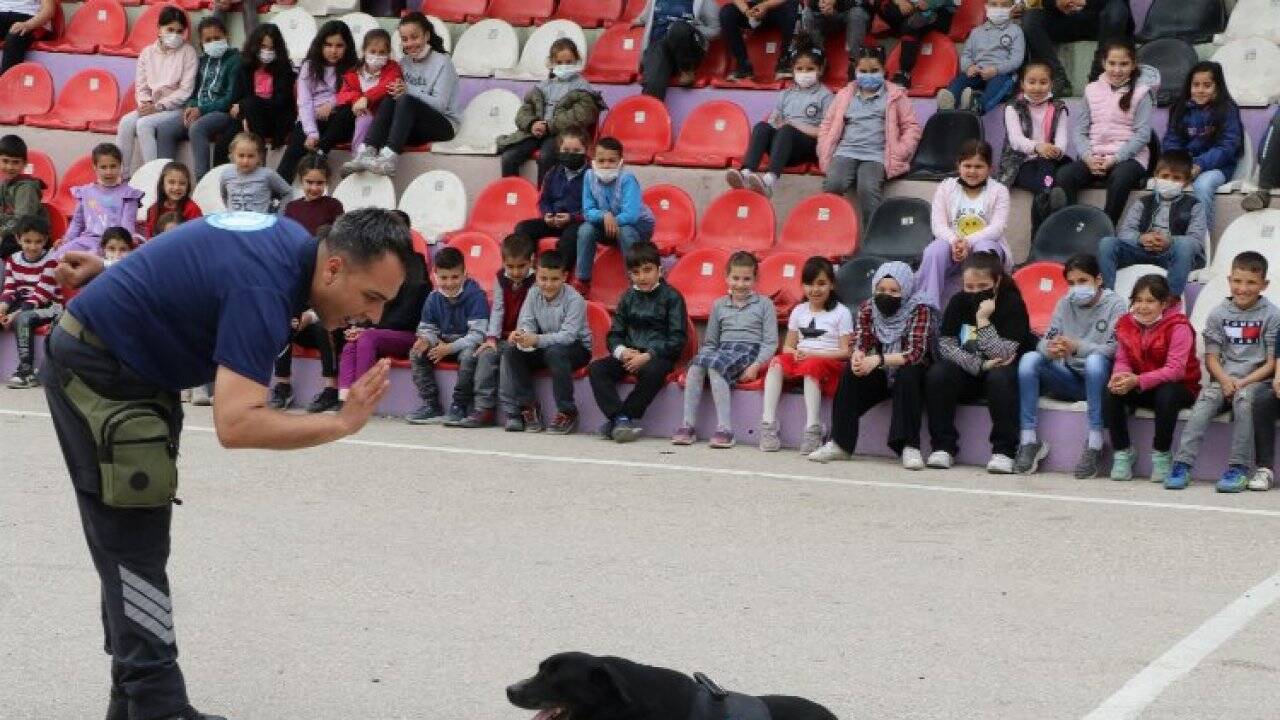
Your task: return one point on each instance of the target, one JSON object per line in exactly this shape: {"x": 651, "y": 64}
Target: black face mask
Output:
{"x": 887, "y": 304}
{"x": 978, "y": 297}
{"x": 971, "y": 187}
{"x": 573, "y": 161}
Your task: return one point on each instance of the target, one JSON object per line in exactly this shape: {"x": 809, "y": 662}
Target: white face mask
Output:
{"x": 999, "y": 15}
{"x": 266, "y": 57}
{"x": 216, "y": 49}
{"x": 172, "y": 40}
{"x": 375, "y": 61}
{"x": 1168, "y": 189}
{"x": 1082, "y": 295}
{"x": 606, "y": 175}
{"x": 806, "y": 79}
{"x": 566, "y": 72}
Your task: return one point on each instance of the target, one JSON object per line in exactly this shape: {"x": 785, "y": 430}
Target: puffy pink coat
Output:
{"x": 1109, "y": 126}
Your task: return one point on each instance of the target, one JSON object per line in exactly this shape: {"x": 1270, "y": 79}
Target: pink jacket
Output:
{"x": 945, "y": 200}
{"x": 1182, "y": 342}
{"x": 1109, "y": 126}
{"x": 901, "y": 129}
{"x": 165, "y": 77}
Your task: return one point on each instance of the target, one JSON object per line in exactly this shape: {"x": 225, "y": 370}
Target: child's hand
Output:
{"x": 636, "y": 362}
{"x": 1275, "y": 387}
{"x": 610, "y": 226}
{"x": 751, "y": 373}
{"x": 190, "y": 115}
{"x": 627, "y": 354}
{"x": 235, "y": 111}
{"x": 1229, "y": 386}
{"x": 788, "y": 351}
{"x": 801, "y": 354}
{"x": 1123, "y": 383}
{"x": 312, "y": 142}
{"x": 440, "y": 352}
{"x": 985, "y": 309}
{"x": 988, "y": 72}
{"x": 397, "y": 89}
{"x": 5, "y": 320}
{"x": 360, "y": 107}
{"x": 491, "y": 344}
{"x": 995, "y": 363}
{"x": 324, "y": 111}
{"x": 973, "y": 71}
{"x": 527, "y": 339}
{"x": 420, "y": 346}
{"x": 146, "y": 109}
{"x": 959, "y": 250}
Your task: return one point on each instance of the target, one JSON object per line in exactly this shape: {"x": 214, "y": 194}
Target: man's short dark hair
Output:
{"x": 367, "y": 234}
{"x": 518, "y": 247}
{"x": 1250, "y": 261}
{"x": 1176, "y": 161}
{"x": 450, "y": 258}
{"x": 31, "y": 223}
{"x": 404, "y": 217}
{"x": 552, "y": 260}
{"x": 13, "y": 146}
{"x": 643, "y": 253}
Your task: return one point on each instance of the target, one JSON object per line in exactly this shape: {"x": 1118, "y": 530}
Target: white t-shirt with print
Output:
{"x": 820, "y": 331}
{"x": 970, "y": 214}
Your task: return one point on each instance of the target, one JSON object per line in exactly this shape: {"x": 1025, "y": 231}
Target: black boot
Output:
{"x": 191, "y": 713}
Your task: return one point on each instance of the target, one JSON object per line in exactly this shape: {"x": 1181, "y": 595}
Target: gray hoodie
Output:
{"x": 556, "y": 322}
{"x": 1242, "y": 339}
{"x": 434, "y": 81}
{"x": 1093, "y": 328}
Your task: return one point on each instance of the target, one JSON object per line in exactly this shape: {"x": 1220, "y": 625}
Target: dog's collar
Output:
{"x": 709, "y": 705}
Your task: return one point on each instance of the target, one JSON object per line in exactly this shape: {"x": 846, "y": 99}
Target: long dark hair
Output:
{"x": 179, "y": 207}
{"x": 315, "y": 54}
{"x": 1222, "y": 105}
{"x": 249, "y": 53}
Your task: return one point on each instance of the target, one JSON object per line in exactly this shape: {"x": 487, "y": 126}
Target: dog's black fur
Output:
{"x": 588, "y": 687}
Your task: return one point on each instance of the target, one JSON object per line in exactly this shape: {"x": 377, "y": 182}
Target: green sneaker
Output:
{"x": 1122, "y": 465}
{"x": 1161, "y": 465}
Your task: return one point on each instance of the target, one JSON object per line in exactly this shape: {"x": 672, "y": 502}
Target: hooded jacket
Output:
{"x": 653, "y": 322}
{"x": 901, "y": 129}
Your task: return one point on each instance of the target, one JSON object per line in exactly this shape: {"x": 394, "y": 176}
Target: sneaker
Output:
{"x": 769, "y": 440}
{"x": 1057, "y": 199}
{"x": 912, "y": 459}
{"x": 1161, "y": 466}
{"x": 966, "y": 99}
{"x": 22, "y": 381}
{"x": 829, "y": 452}
{"x": 766, "y": 184}
{"x": 426, "y": 414}
{"x": 515, "y": 423}
{"x": 200, "y": 396}
{"x": 1122, "y": 465}
{"x": 721, "y": 440}
{"x": 741, "y": 74}
{"x": 755, "y": 183}
{"x": 1179, "y": 476}
{"x": 384, "y": 165}
{"x": 624, "y": 431}
{"x": 939, "y": 460}
{"x": 532, "y": 418}
{"x": 478, "y": 419}
{"x": 456, "y": 414}
{"x": 946, "y": 100}
{"x": 686, "y": 78}
{"x": 1089, "y": 464}
{"x": 564, "y": 423}
{"x": 1000, "y": 464}
{"x": 735, "y": 178}
{"x": 359, "y": 163}
{"x": 281, "y": 396}
{"x": 1256, "y": 200}
{"x": 606, "y": 430}
{"x": 812, "y": 439}
{"x": 1234, "y": 480}
{"x": 325, "y": 401}
{"x": 684, "y": 435}
{"x": 1027, "y": 460}
{"x": 1261, "y": 479}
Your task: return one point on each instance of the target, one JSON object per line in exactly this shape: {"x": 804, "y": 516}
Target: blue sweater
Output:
{"x": 561, "y": 193}
{"x": 1221, "y": 152}
{"x": 462, "y": 320}
{"x": 622, "y": 197}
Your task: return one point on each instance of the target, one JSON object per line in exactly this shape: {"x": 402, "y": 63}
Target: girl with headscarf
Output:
{"x": 892, "y": 335}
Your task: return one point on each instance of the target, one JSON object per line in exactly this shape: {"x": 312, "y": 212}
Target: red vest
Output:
{"x": 1147, "y": 348}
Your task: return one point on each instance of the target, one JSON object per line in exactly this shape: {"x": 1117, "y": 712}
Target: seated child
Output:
{"x": 989, "y": 62}
{"x": 1035, "y": 141}
{"x": 19, "y": 193}
{"x": 108, "y": 202}
{"x": 30, "y": 296}
{"x": 1165, "y": 228}
{"x": 116, "y": 244}
{"x": 248, "y": 186}
{"x": 362, "y": 91}
{"x": 167, "y": 222}
{"x": 646, "y": 338}
{"x": 1239, "y": 352}
{"x": 561, "y": 199}
{"x": 173, "y": 193}
{"x": 613, "y": 210}
{"x": 1205, "y": 122}
{"x": 164, "y": 78}
{"x": 911, "y": 20}
{"x": 205, "y": 118}
{"x": 739, "y": 17}
{"x": 454, "y": 320}
{"x": 552, "y": 332}
{"x": 315, "y": 209}
{"x": 741, "y": 338}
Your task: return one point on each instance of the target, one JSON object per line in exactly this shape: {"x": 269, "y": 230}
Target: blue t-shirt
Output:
{"x": 219, "y": 291}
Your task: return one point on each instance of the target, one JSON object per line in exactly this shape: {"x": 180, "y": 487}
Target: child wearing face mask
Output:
{"x": 613, "y": 210}
{"x": 564, "y": 100}
{"x": 1205, "y": 122}
{"x": 560, "y": 201}
{"x": 205, "y": 118}
{"x": 970, "y": 214}
{"x": 1166, "y": 227}
{"x": 1072, "y": 362}
{"x": 363, "y": 91}
{"x": 869, "y": 134}
{"x": 790, "y": 134}
{"x": 266, "y": 102}
{"x": 1035, "y": 142}
{"x": 116, "y": 243}
{"x": 989, "y": 63}
{"x": 165, "y": 77}
{"x": 331, "y": 55}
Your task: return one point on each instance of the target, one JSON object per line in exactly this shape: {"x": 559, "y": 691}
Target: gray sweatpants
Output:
{"x": 866, "y": 177}
{"x": 488, "y": 364}
{"x": 1210, "y": 403}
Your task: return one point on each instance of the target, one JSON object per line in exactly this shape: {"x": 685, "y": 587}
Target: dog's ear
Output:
{"x": 606, "y": 677}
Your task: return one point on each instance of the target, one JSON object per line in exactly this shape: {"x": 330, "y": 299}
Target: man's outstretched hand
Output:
{"x": 365, "y": 395}
{"x": 77, "y": 268}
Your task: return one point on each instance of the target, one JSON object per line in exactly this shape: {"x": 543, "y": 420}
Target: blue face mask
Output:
{"x": 869, "y": 81}
{"x": 1082, "y": 295}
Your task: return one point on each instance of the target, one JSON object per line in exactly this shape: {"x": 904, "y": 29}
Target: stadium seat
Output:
{"x": 40, "y": 165}
{"x": 599, "y": 320}
{"x": 298, "y": 28}
{"x": 97, "y": 22}
{"x": 440, "y": 28}
{"x": 1071, "y": 230}
{"x": 822, "y": 224}
{"x": 360, "y": 24}
{"x": 1127, "y": 277}
{"x": 712, "y": 136}
{"x": 436, "y": 203}
{"x": 737, "y": 220}
{"x": 1252, "y": 18}
{"x": 1214, "y": 290}
{"x": 483, "y": 256}
{"x": 1041, "y": 285}
{"x": 944, "y": 133}
{"x": 207, "y": 193}
{"x": 675, "y": 215}
{"x": 145, "y": 179}
{"x": 764, "y": 47}
{"x": 1245, "y": 178}
{"x": 631, "y": 11}
{"x": 898, "y": 230}
{"x": 643, "y": 126}
{"x": 517, "y": 12}
{"x": 329, "y": 8}
{"x": 91, "y": 94}
{"x": 836, "y": 73}
{"x": 968, "y": 16}
{"x": 615, "y": 57}
{"x": 27, "y": 89}
{"x": 935, "y": 68}
{"x": 80, "y": 173}
{"x": 1195, "y": 21}
{"x": 57, "y": 223}
{"x": 533, "y": 59}
{"x": 1257, "y": 231}
{"x": 455, "y": 11}
{"x": 188, "y": 5}
{"x": 714, "y": 65}
{"x": 488, "y": 116}
{"x": 501, "y": 205}
{"x": 609, "y": 278}
{"x": 1174, "y": 59}
{"x": 779, "y": 280}
{"x": 141, "y": 34}
{"x": 699, "y": 276}
{"x": 589, "y": 13}
{"x": 128, "y": 103}
{"x": 487, "y": 46}
{"x": 1252, "y": 69}
{"x": 853, "y": 280}
{"x": 363, "y": 190}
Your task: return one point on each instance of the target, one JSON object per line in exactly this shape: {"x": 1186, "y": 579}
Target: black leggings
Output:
{"x": 786, "y": 146}
{"x": 313, "y": 336}
{"x": 948, "y": 385}
{"x": 1124, "y": 177}
{"x": 1038, "y": 176}
{"x": 856, "y": 395}
{"x": 407, "y": 121}
{"x": 15, "y": 46}
{"x": 268, "y": 119}
{"x": 1166, "y": 400}
{"x": 513, "y": 156}
{"x": 567, "y": 245}
{"x": 911, "y": 28}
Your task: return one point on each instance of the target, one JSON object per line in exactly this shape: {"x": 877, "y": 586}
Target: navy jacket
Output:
{"x": 562, "y": 194}
{"x": 1219, "y": 152}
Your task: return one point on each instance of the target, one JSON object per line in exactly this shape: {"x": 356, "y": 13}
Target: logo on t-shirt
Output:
{"x": 812, "y": 111}
{"x": 1242, "y": 332}
{"x": 241, "y": 221}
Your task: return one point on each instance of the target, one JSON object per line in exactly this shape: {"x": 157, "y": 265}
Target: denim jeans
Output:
{"x": 590, "y": 233}
{"x": 1205, "y": 188}
{"x": 1182, "y": 256}
{"x": 994, "y": 91}
{"x": 1062, "y": 383}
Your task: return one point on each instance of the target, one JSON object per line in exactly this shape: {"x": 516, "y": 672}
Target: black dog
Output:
{"x": 578, "y": 686}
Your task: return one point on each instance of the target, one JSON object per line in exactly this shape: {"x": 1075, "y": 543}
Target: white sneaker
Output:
{"x": 1261, "y": 479}
{"x": 1000, "y": 465}
{"x": 359, "y": 163}
{"x": 912, "y": 459}
{"x": 939, "y": 460}
{"x": 829, "y": 452}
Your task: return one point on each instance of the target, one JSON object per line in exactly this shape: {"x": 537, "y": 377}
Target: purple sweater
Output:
{"x": 312, "y": 95}
{"x": 98, "y": 208}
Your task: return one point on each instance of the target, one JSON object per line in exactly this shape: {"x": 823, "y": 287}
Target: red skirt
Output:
{"x": 826, "y": 371}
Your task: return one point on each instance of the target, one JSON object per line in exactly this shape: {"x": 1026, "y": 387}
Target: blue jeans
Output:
{"x": 994, "y": 91}
{"x": 1181, "y": 257}
{"x": 590, "y": 233}
{"x": 1205, "y": 188}
{"x": 1062, "y": 383}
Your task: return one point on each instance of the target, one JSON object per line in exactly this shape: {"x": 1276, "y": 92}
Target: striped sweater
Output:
{"x": 29, "y": 284}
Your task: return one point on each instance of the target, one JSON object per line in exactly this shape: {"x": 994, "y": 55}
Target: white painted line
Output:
{"x": 1130, "y": 701}
{"x": 790, "y": 477}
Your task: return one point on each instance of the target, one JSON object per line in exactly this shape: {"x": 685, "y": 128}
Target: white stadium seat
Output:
{"x": 1252, "y": 69}
{"x": 436, "y": 203}
{"x": 145, "y": 179}
{"x": 1245, "y": 178}
{"x": 1126, "y": 277}
{"x": 1259, "y": 231}
{"x": 485, "y": 47}
{"x": 533, "y": 59}
{"x": 298, "y": 28}
{"x": 360, "y": 24}
{"x": 489, "y": 115}
{"x": 363, "y": 190}
{"x": 321, "y": 8}
{"x": 441, "y": 29}
{"x": 1252, "y": 19}
{"x": 207, "y": 194}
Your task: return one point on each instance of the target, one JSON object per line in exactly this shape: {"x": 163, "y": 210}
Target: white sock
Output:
{"x": 1029, "y": 436}
{"x": 386, "y": 153}
{"x": 770, "y": 179}
{"x": 812, "y": 402}
{"x": 342, "y": 393}
{"x": 1095, "y": 439}
{"x": 772, "y": 394}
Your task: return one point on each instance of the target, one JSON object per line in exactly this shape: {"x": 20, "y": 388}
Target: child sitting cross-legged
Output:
{"x": 30, "y": 296}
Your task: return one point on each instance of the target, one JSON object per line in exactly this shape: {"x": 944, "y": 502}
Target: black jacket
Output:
{"x": 405, "y": 309}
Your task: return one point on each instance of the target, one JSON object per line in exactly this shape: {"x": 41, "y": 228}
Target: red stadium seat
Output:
{"x": 128, "y": 103}
{"x": 836, "y": 73}
{"x": 779, "y": 280}
{"x": 89, "y": 95}
{"x": 615, "y": 58}
{"x": 714, "y": 65}
{"x": 188, "y": 5}
{"x": 420, "y": 246}
{"x": 455, "y": 11}
{"x": 80, "y": 173}
{"x": 609, "y": 277}
{"x": 968, "y": 16}
{"x": 935, "y": 67}
{"x": 501, "y": 205}
{"x": 764, "y": 47}
{"x": 699, "y": 276}
{"x": 41, "y": 166}
{"x": 632, "y": 10}
{"x": 547, "y": 244}
{"x": 142, "y": 34}
{"x": 737, "y": 220}
{"x": 482, "y": 254}
{"x": 714, "y": 134}
{"x": 97, "y": 22}
{"x": 517, "y": 12}
{"x": 1042, "y": 285}
{"x": 27, "y": 89}
{"x": 598, "y": 320}
{"x": 822, "y": 224}
{"x": 643, "y": 126}
{"x": 589, "y": 13}
{"x": 57, "y": 222}
{"x": 675, "y": 215}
